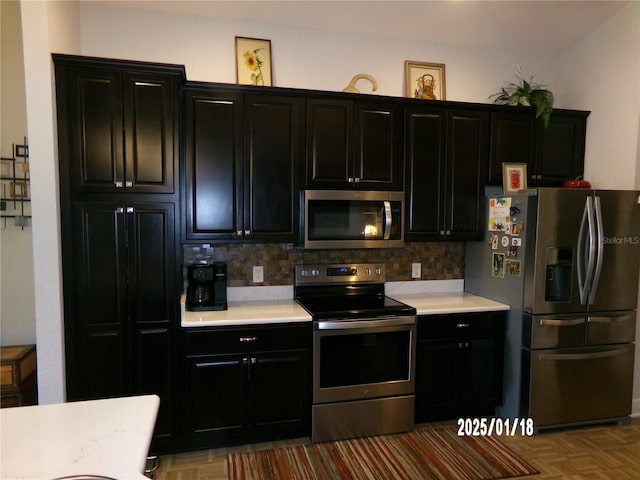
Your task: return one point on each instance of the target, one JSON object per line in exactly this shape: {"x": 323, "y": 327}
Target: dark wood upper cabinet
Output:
{"x": 552, "y": 154}
{"x": 512, "y": 141}
{"x": 121, "y": 127}
{"x": 446, "y": 154}
{"x": 353, "y": 144}
{"x": 213, "y": 195}
{"x": 273, "y": 145}
{"x": 559, "y": 153}
{"x": 241, "y": 166}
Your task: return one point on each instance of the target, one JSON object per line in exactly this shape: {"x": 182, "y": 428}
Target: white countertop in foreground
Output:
{"x": 99, "y": 437}
{"x": 264, "y": 305}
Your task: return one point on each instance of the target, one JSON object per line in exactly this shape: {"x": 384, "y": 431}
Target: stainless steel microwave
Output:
{"x": 353, "y": 219}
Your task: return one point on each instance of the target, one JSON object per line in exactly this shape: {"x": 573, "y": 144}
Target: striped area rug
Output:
{"x": 430, "y": 453}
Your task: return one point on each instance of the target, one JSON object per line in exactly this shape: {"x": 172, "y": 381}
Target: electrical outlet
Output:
{"x": 416, "y": 270}
{"x": 258, "y": 274}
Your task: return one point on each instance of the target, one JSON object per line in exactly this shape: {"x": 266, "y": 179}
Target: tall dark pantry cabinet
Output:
{"x": 118, "y": 145}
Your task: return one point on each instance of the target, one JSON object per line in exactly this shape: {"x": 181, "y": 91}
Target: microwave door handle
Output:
{"x": 387, "y": 220}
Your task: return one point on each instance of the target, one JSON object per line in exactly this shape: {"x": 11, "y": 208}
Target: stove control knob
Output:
{"x": 315, "y": 273}
{"x": 304, "y": 273}
{"x": 378, "y": 271}
{"x": 367, "y": 271}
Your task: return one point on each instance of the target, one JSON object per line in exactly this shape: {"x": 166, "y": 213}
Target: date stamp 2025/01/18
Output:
{"x": 487, "y": 426}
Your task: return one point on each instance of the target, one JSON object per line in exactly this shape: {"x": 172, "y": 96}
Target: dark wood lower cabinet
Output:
{"x": 120, "y": 309}
{"x": 459, "y": 365}
{"x": 252, "y": 385}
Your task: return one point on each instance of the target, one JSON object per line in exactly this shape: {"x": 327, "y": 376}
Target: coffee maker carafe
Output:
{"x": 207, "y": 287}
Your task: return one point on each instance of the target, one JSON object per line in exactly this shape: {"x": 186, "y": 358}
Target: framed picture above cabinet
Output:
{"x": 253, "y": 61}
{"x": 425, "y": 81}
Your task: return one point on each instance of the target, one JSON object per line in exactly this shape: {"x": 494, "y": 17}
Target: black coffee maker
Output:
{"x": 207, "y": 287}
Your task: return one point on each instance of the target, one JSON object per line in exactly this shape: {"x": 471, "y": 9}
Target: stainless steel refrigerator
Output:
{"x": 567, "y": 262}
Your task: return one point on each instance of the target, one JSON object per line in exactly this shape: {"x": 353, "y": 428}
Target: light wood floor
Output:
{"x": 599, "y": 453}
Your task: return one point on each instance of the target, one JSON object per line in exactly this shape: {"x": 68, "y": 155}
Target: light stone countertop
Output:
{"x": 266, "y": 305}
{"x": 108, "y": 437}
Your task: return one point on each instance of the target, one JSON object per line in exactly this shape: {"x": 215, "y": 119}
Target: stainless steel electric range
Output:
{"x": 364, "y": 350}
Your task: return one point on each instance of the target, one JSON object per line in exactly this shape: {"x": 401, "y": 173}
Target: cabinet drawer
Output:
{"x": 432, "y": 327}
{"x": 247, "y": 339}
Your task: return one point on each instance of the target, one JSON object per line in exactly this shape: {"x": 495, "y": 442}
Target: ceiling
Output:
{"x": 538, "y": 26}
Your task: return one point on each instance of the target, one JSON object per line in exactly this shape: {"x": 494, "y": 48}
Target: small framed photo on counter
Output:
{"x": 514, "y": 177}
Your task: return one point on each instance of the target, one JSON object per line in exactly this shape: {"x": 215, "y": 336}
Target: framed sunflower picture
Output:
{"x": 253, "y": 61}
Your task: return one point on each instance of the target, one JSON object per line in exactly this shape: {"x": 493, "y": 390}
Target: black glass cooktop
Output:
{"x": 354, "y": 306}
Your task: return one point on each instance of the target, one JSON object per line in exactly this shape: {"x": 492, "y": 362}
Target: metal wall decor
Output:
{"x": 15, "y": 201}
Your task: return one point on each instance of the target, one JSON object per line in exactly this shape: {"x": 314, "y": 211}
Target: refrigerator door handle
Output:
{"x": 552, "y": 322}
{"x": 609, "y": 319}
{"x": 599, "y": 239}
{"x": 586, "y": 256}
{"x": 584, "y": 356}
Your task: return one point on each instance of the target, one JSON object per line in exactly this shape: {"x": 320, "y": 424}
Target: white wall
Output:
{"x": 302, "y": 58}
{"x": 47, "y": 27}
{"x": 17, "y": 305}
{"x": 610, "y": 88}
{"x": 602, "y": 74}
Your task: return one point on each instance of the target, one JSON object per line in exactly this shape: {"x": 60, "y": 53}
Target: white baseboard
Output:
{"x": 635, "y": 408}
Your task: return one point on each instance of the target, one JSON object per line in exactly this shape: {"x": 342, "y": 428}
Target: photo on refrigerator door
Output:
{"x": 497, "y": 265}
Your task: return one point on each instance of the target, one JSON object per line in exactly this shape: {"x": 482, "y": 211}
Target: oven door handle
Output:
{"x": 365, "y": 323}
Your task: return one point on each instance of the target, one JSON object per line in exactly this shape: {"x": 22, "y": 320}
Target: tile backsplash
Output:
{"x": 440, "y": 260}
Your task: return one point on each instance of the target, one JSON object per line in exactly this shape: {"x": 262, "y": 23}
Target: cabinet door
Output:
{"x": 425, "y": 131}
{"x": 378, "y": 162}
{"x": 467, "y": 156}
{"x": 280, "y": 392}
{"x": 559, "y": 149}
{"x": 213, "y": 165}
{"x": 97, "y": 339}
{"x": 150, "y": 130}
{"x": 152, "y": 292}
{"x": 438, "y": 365}
{"x": 272, "y": 144}
{"x": 482, "y": 378}
{"x": 216, "y": 398}
{"x": 512, "y": 141}
{"x": 91, "y": 100}
{"x": 329, "y": 145}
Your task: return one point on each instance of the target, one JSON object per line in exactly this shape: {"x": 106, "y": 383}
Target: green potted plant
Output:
{"x": 527, "y": 94}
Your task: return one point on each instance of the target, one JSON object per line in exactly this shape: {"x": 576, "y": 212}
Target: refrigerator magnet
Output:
{"x": 512, "y": 267}
{"x": 497, "y": 265}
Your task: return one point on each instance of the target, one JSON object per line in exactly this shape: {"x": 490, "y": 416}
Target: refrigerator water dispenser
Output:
{"x": 559, "y": 274}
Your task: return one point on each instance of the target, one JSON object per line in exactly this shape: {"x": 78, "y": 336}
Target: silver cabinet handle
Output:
{"x": 463, "y": 325}
{"x": 130, "y": 210}
{"x": 128, "y": 184}
{"x": 238, "y": 233}
{"x": 247, "y": 232}
{"x": 247, "y": 339}
{"x": 350, "y": 180}
{"x": 119, "y": 185}
{"x": 119, "y": 210}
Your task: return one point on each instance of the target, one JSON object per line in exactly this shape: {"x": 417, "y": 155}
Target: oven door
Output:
{"x": 363, "y": 358}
